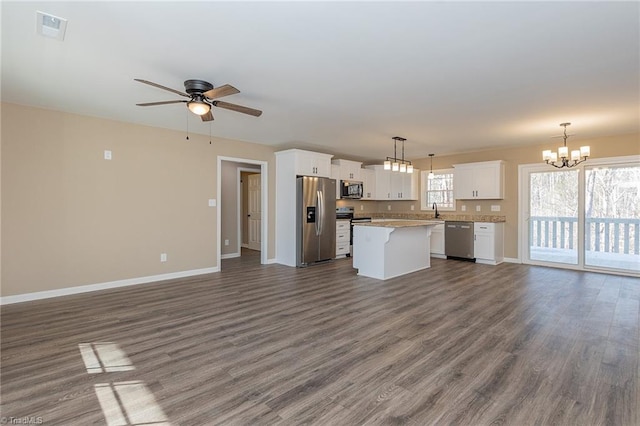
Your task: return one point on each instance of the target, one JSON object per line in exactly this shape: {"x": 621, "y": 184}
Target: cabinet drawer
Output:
{"x": 342, "y": 225}
{"x": 342, "y": 237}
{"x": 484, "y": 227}
{"x": 342, "y": 249}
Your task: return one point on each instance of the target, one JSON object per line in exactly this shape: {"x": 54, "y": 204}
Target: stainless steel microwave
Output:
{"x": 351, "y": 189}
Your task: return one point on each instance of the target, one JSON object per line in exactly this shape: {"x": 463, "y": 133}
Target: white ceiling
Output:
{"x": 341, "y": 77}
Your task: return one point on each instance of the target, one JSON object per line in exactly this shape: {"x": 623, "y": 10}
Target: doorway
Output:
{"x": 233, "y": 213}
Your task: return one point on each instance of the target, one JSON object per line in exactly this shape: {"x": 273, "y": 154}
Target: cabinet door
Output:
{"x": 437, "y": 240}
{"x": 397, "y": 185}
{"x": 464, "y": 185}
{"x": 382, "y": 183}
{"x": 484, "y": 241}
{"x": 369, "y": 184}
{"x": 321, "y": 165}
{"x": 488, "y": 181}
{"x": 411, "y": 185}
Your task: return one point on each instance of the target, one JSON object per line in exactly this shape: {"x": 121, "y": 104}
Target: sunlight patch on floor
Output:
{"x": 104, "y": 357}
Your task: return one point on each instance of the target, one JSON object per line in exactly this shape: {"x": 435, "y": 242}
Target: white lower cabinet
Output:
{"x": 343, "y": 231}
{"x": 488, "y": 242}
{"x": 437, "y": 242}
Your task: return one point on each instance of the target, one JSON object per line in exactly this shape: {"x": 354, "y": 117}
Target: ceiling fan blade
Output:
{"x": 238, "y": 108}
{"x": 159, "y": 86}
{"x": 207, "y": 117}
{"x": 221, "y": 91}
{"x": 161, "y": 103}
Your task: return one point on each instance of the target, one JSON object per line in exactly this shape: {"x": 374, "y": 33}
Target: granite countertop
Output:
{"x": 400, "y": 223}
{"x": 430, "y": 216}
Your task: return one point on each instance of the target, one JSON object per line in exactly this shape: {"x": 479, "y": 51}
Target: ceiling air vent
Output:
{"x": 50, "y": 26}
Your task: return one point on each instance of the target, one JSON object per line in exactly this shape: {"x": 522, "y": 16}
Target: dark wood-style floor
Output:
{"x": 459, "y": 343}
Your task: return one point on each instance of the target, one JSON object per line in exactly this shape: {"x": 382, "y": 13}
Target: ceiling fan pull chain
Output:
{"x": 187, "y": 124}
{"x": 209, "y": 133}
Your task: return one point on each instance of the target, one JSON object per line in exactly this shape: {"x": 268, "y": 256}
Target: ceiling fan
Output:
{"x": 201, "y": 96}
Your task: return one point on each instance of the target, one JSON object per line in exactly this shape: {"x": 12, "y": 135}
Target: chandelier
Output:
{"x": 394, "y": 163}
{"x": 563, "y": 152}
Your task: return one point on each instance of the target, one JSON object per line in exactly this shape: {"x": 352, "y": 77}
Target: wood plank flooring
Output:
{"x": 460, "y": 343}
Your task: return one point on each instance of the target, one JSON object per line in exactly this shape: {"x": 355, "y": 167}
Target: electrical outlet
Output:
{"x": 212, "y": 202}
{"x": 478, "y": 208}
{"x": 107, "y": 155}
{"x": 388, "y": 206}
{"x": 413, "y": 207}
{"x": 226, "y": 242}
{"x": 463, "y": 208}
{"x": 163, "y": 257}
{"x": 495, "y": 208}
{"x": 361, "y": 207}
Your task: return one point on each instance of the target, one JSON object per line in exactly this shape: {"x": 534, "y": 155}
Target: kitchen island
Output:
{"x": 389, "y": 249}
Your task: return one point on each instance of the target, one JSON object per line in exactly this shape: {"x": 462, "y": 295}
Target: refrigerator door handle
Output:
{"x": 318, "y": 212}
{"x": 320, "y": 227}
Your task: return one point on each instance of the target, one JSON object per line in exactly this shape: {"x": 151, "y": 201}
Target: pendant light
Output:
{"x": 551, "y": 158}
{"x": 394, "y": 163}
{"x": 431, "y": 169}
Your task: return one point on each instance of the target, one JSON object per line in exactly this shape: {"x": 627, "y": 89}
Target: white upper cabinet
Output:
{"x": 395, "y": 185}
{"x": 349, "y": 170}
{"x": 382, "y": 179}
{"x": 369, "y": 184}
{"x": 483, "y": 180}
{"x": 308, "y": 163}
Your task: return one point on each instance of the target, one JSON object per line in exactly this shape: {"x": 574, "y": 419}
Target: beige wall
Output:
{"x": 71, "y": 218}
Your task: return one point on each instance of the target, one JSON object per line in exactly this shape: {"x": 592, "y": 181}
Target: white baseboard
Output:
{"x": 18, "y": 298}
{"x": 271, "y": 261}
{"x": 229, "y": 255}
{"x": 512, "y": 260}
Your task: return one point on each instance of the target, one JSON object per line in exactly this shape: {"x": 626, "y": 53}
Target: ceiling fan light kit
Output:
{"x": 198, "y": 106}
{"x": 202, "y": 97}
{"x": 551, "y": 158}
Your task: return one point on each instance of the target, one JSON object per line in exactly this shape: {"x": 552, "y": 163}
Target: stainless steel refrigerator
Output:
{"x": 316, "y": 219}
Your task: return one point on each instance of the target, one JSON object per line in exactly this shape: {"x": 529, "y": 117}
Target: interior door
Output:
{"x": 255, "y": 212}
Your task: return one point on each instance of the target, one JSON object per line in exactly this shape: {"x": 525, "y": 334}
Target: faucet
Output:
{"x": 435, "y": 207}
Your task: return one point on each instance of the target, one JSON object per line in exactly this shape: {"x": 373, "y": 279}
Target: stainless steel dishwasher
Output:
{"x": 458, "y": 240}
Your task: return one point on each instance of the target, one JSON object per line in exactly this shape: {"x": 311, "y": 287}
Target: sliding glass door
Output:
{"x": 586, "y": 217}
{"x": 612, "y": 217}
{"x": 553, "y": 224}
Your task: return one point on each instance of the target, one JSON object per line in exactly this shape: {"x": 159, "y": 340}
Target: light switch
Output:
{"x": 495, "y": 208}
{"x": 478, "y": 208}
{"x": 212, "y": 202}
{"x": 463, "y": 208}
{"x": 163, "y": 257}
{"x": 107, "y": 155}
{"x": 413, "y": 207}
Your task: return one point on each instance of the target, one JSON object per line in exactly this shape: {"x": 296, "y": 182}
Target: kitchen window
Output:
{"x": 437, "y": 190}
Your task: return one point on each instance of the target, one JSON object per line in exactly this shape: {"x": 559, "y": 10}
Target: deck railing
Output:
{"x": 601, "y": 234}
